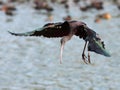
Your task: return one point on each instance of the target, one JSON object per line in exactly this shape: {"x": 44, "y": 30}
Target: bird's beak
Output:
{"x": 98, "y": 47}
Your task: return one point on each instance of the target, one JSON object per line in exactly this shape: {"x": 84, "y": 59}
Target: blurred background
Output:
{"x": 32, "y": 63}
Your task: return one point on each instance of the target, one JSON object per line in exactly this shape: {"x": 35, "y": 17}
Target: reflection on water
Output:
{"x": 32, "y": 63}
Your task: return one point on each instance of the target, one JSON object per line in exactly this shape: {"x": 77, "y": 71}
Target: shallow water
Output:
{"x": 32, "y": 63}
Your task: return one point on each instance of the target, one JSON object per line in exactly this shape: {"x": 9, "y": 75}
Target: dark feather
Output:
{"x": 53, "y": 30}
{"x": 81, "y": 32}
{"x": 49, "y": 30}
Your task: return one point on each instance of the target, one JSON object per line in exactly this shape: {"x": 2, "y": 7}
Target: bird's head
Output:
{"x": 97, "y": 45}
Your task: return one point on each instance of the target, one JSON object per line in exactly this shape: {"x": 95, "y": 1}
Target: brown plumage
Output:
{"x": 66, "y": 30}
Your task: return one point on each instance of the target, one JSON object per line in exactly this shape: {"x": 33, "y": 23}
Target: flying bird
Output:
{"x": 66, "y": 30}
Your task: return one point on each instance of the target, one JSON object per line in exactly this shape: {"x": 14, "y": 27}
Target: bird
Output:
{"x": 65, "y": 30}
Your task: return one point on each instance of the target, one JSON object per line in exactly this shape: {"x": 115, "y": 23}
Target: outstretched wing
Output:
{"x": 49, "y": 30}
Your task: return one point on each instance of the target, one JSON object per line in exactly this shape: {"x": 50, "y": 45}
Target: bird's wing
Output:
{"x": 49, "y": 30}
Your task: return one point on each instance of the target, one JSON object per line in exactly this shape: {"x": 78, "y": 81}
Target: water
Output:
{"x": 32, "y": 63}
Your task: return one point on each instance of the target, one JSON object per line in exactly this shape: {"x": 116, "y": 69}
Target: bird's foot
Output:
{"x": 89, "y": 58}
{"x": 84, "y": 58}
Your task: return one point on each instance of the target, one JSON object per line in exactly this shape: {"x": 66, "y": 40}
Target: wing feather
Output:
{"x": 53, "y": 30}
{"x": 49, "y": 30}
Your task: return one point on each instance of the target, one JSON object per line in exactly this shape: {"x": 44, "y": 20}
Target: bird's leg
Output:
{"x": 89, "y": 57}
{"x": 63, "y": 41}
{"x": 61, "y": 50}
{"x": 83, "y": 54}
